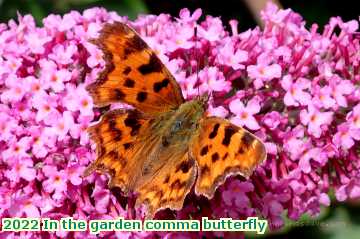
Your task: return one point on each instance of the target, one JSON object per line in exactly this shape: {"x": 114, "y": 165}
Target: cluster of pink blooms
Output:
{"x": 296, "y": 88}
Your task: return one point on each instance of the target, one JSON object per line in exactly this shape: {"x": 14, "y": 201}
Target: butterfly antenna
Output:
{"x": 197, "y": 62}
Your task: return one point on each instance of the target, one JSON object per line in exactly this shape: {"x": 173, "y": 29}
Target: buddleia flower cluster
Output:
{"x": 295, "y": 87}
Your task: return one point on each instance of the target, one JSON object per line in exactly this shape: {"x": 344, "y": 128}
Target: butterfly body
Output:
{"x": 173, "y": 134}
{"x": 166, "y": 145}
{"x": 182, "y": 124}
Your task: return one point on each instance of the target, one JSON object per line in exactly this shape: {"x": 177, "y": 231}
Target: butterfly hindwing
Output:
{"x": 169, "y": 186}
{"x": 118, "y": 138}
{"x": 224, "y": 149}
{"x": 133, "y": 73}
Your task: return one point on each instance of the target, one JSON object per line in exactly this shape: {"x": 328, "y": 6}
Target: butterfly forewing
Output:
{"x": 133, "y": 74}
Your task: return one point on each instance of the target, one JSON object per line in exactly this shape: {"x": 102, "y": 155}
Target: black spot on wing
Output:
{"x": 132, "y": 122}
{"x": 225, "y": 156}
{"x": 112, "y": 172}
{"x": 215, "y": 157}
{"x": 229, "y": 132}
{"x": 129, "y": 83}
{"x": 101, "y": 150}
{"x": 114, "y": 130}
{"x": 204, "y": 170}
{"x": 127, "y": 52}
{"x": 113, "y": 155}
{"x": 161, "y": 84}
{"x": 127, "y": 145}
{"x": 185, "y": 166}
{"x": 247, "y": 139}
{"x": 214, "y": 131}
{"x": 135, "y": 44}
{"x": 112, "y": 124}
{"x": 141, "y": 96}
{"x": 117, "y": 135}
{"x": 154, "y": 65}
{"x": 177, "y": 185}
{"x": 166, "y": 180}
{"x": 100, "y": 166}
{"x": 127, "y": 70}
{"x": 159, "y": 194}
{"x": 122, "y": 161}
{"x": 119, "y": 95}
{"x": 204, "y": 150}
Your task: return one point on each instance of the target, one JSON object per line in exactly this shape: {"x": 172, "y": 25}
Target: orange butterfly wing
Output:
{"x": 133, "y": 74}
{"x": 169, "y": 186}
{"x": 223, "y": 149}
{"x": 118, "y": 138}
{"x": 124, "y": 140}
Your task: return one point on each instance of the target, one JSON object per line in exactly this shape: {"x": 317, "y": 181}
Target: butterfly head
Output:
{"x": 203, "y": 100}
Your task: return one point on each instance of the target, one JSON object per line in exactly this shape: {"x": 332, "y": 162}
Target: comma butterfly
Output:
{"x": 165, "y": 144}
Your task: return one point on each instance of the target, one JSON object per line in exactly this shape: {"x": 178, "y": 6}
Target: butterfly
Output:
{"x": 164, "y": 145}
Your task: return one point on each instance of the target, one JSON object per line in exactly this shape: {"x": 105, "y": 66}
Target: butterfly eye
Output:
{"x": 177, "y": 125}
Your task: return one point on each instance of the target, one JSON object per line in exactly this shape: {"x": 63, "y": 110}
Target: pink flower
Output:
{"x": 56, "y": 181}
{"x": 236, "y": 196}
{"x": 180, "y": 38}
{"x": 354, "y": 117}
{"x": 79, "y": 131}
{"x": 24, "y": 204}
{"x": 62, "y": 125}
{"x": 244, "y": 114}
{"x": 77, "y": 99}
{"x": 346, "y": 135}
{"x": 272, "y": 207}
{"x": 37, "y": 40}
{"x": 57, "y": 78}
{"x": 7, "y": 126}
{"x": 187, "y": 17}
{"x": 74, "y": 174}
{"x": 38, "y": 142}
{"x": 229, "y": 55}
{"x": 261, "y": 73}
{"x": 211, "y": 29}
{"x": 45, "y": 105}
{"x": 102, "y": 197}
{"x": 15, "y": 91}
{"x": 212, "y": 79}
{"x": 315, "y": 119}
{"x": 96, "y": 55}
{"x": 21, "y": 169}
{"x": 312, "y": 153}
{"x": 236, "y": 193}
{"x": 295, "y": 86}
{"x": 340, "y": 88}
{"x": 272, "y": 119}
{"x": 219, "y": 111}
{"x": 295, "y": 91}
{"x": 63, "y": 54}
{"x": 323, "y": 97}
{"x": 17, "y": 149}
{"x": 348, "y": 190}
